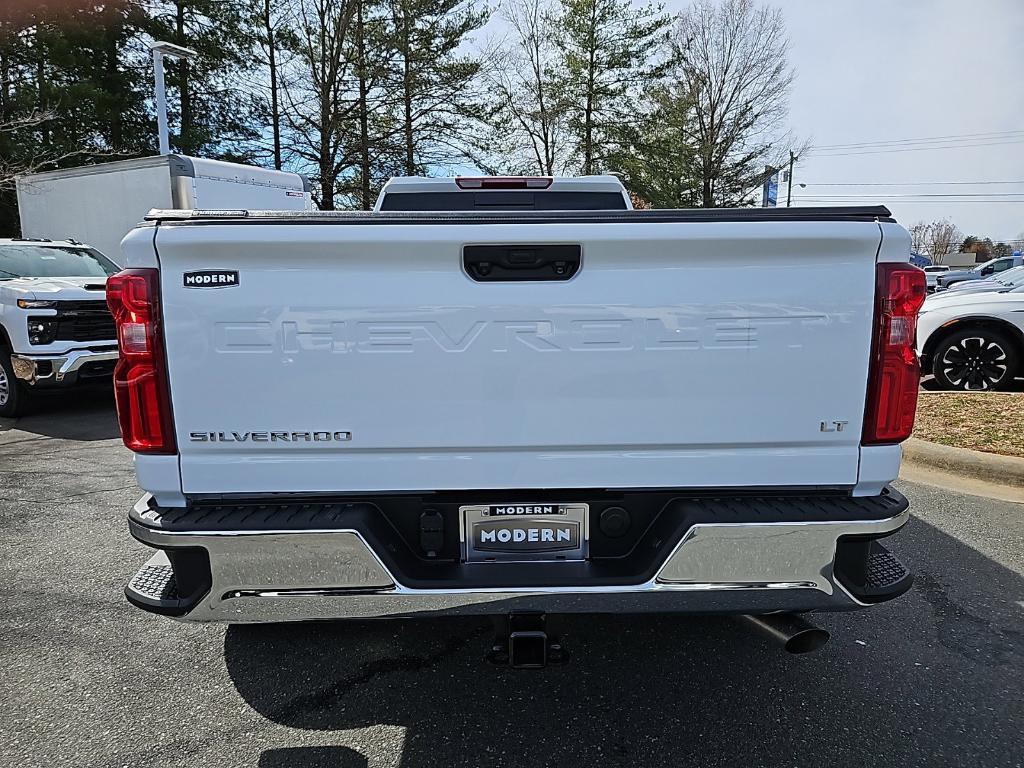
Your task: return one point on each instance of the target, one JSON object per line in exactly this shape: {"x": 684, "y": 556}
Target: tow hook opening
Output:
{"x": 523, "y": 641}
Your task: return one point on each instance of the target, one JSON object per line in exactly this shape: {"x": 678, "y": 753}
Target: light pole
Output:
{"x": 161, "y": 48}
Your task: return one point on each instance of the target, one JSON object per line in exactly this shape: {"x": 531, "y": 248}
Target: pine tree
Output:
{"x": 272, "y": 34}
{"x": 656, "y": 153}
{"x": 371, "y": 135}
{"x": 433, "y": 83}
{"x": 611, "y": 51}
{"x": 320, "y": 107}
{"x": 73, "y": 89}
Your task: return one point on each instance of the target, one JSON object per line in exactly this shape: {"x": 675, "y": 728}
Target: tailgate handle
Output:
{"x": 521, "y": 262}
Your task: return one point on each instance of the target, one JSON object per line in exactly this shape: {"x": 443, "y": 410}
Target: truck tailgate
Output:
{"x": 351, "y": 357}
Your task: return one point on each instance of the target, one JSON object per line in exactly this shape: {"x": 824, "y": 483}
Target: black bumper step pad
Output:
{"x": 155, "y": 589}
{"x": 879, "y": 576}
{"x": 884, "y": 570}
{"x": 155, "y": 582}
{"x": 171, "y": 582}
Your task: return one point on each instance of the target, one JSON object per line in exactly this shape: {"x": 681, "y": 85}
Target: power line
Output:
{"x": 928, "y": 194}
{"x": 1008, "y": 196}
{"x": 922, "y": 140}
{"x": 981, "y": 195}
{"x": 904, "y": 200}
{"x": 885, "y": 151}
{"x": 901, "y": 183}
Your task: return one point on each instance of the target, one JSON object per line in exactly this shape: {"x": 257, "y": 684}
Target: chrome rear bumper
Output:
{"x": 293, "y": 575}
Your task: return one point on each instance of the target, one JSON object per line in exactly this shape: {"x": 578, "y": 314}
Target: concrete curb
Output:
{"x": 990, "y": 467}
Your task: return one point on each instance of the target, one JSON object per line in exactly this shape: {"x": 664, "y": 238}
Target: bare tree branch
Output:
{"x": 733, "y": 62}
{"x": 936, "y": 239}
{"x": 530, "y": 123}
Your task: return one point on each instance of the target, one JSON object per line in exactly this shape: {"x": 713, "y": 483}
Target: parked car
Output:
{"x": 973, "y": 341}
{"x": 55, "y": 328}
{"x": 932, "y": 273}
{"x": 505, "y": 420}
{"x": 990, "y": 267}
{"x": 1004, "y": 281}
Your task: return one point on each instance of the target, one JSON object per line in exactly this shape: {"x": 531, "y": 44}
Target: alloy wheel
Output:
{"x": 974, "y": 364}
{"x": 5, "y": 387}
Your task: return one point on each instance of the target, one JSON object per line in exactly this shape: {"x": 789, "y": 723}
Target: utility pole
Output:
{"x": 789, "y": 189}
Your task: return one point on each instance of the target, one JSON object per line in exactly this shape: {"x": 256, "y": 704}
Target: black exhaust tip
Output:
{"x": 807, "y": 641}
{"x": 794, "y": 633}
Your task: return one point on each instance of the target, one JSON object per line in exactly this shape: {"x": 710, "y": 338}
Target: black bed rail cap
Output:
{"x": 871, "y": 213}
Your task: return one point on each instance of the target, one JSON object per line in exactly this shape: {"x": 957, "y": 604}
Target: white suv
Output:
{"x": 973, "y": 341}
{"x": 55, "y": 328}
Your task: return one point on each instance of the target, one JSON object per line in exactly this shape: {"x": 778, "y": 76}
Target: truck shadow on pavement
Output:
{"x": 905, "y": 680}
{"x": 83, "y": 414}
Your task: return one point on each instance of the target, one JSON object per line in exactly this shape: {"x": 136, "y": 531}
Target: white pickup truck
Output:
{"x": 55, "y": 328}
{"x": 517, "y": 407}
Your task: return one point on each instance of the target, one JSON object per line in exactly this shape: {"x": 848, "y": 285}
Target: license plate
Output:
{"x": 524, "y": 532}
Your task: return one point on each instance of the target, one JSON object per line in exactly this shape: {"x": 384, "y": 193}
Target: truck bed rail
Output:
{"x": 868, "y": 213}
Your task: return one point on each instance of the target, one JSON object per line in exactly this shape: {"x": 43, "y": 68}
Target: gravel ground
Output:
{"x": 934, "y": 678}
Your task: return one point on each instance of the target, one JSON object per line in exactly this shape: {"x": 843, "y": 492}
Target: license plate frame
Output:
{"x": 524, "y": 532}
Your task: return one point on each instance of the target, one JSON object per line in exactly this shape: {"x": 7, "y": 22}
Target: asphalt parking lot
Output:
{"x": 935, "y": 678}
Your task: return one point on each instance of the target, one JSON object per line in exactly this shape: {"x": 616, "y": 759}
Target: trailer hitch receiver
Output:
{"x": 522, "y": 641}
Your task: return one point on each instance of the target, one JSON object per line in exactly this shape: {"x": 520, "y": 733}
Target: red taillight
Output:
{"x": 503, "y": 182}
{"x": 895, "y": 373}
{"x": 140, "y": 377}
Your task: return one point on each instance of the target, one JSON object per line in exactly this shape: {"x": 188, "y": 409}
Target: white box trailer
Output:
{"x": 958, "y": 260}
{"x": 99, "y": 204}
